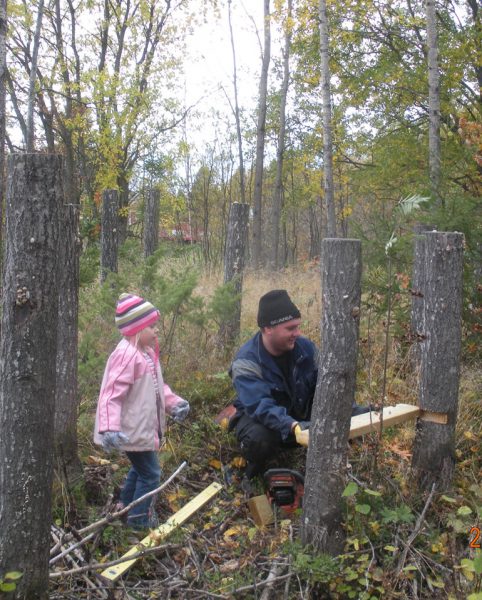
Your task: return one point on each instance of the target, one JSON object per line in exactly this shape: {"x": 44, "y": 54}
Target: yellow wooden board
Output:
{"x": 156, "y": 535}
{"x": 392, "y": 415}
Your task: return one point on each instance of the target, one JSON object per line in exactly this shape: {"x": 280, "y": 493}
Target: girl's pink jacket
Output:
{"x": 128, "y": 400}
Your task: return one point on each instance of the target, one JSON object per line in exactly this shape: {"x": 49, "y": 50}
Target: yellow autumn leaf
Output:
{"x": 215, "y": 463}
{"x": 236, "y": 530}
{"x": 238, "y": 462}
{"x": 224, "y": 423}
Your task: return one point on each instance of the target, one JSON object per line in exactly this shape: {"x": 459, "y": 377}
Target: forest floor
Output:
{"x": 400, "y": 543}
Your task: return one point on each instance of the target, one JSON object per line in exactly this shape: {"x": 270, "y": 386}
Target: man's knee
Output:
{"x": 257, "y": 442}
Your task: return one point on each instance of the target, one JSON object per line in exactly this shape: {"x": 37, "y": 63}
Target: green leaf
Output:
{"x": 13, "y": 575}
{"x": 351, "y": 489}
{"x": 364, "y": 509}
{"x": 411, "y": 203}
{"x": 410, "y": 568}
{"x": 448, "y": 499}
{"x": 478, "y": 563}
{"x": 438, "y": 583}
{"x": 476, "y": 596}
{"x": 464, "y": 511}
{"x": 467, "y": 564}
{"x": 7, "y": 587}
{"x": 372, "y": 492}
{"x": 390, "y": 548}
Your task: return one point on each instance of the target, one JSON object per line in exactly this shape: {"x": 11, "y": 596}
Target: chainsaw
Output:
{"x": 284, "y": 488}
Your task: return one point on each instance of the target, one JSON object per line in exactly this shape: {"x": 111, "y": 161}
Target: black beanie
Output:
{"x": 276, "y": 307}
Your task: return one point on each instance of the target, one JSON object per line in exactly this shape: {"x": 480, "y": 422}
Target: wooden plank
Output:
{"x": 261, "y": 510}
{"x": 392, "y": 415}
{"x": 156, "y": 535}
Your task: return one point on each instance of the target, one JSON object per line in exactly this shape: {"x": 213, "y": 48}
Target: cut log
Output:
{"x": 261, "y": 510}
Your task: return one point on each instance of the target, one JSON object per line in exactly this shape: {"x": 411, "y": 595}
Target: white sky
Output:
{"x": 209, "y": 62}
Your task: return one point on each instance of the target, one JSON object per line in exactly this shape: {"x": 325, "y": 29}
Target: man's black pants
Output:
{"x": 259, "y": 445}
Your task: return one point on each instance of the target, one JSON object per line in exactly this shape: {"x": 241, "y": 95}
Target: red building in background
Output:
{"x": 184, "y": 233}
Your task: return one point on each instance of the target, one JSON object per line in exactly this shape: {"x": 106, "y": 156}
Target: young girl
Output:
{"x": 133, "y": 402}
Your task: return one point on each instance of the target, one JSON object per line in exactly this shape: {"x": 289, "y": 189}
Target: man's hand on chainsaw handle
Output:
{"x": 302, "y": 433}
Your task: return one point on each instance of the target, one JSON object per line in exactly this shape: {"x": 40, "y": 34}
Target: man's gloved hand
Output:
{"x": 180, "y": 411}
{"x": 302, "y": 433}
{"x": 113, "y": 440}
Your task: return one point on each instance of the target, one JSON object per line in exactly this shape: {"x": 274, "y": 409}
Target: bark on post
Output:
{"x": 234, "y": 260}
{"x": 151, "y": 222}
{"x": 418, "y": 278}
{"x": 67, "y": 463}
{"x": 109, "y": 238}
{"x": 434, "y": 448}
{"x": 334, "y": 396}
{"x": 27, "y": 363}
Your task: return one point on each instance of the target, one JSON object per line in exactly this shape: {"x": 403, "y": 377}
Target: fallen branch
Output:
{"x": 111, "y": 517}
{"x": 416, "y": 531}
{"x": 57, "y": 534}
{"x": 275, "y": 571}
{"x": 70, "y": 548}
{"x": 112, "y": 563}
{"x": 247, "y": 588}
{"x": 127, "y": 508}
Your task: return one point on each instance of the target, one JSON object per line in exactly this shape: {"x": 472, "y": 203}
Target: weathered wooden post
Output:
{"x": 67, "y": 398}
{"x": 434, "y": 447}
{"x": 151, "y": 222}
{"x": 334, "y": 396}
{"x": 27, "y": 364}
{"x": 418, "y": 278}
{"x": 109, "y": 238}
{"x": 234, "y": 261}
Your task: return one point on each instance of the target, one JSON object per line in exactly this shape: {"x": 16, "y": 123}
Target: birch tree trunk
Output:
{"x": 109, "y": 237}
{"x": 30, "y": 141}
{"x": 335, "y": 392}
{"x": 27, "y": 363}
{"x": 278, "y": 188}
{"x": 3, "y": 84}
{"x": 237, "y": 115}
{"x": 151, "y": 222}
{"x": 260, "y": 139}
{"x": 434, "y": 158}
{"x": 234, "y": 261}
{"x": 327, "y": 125}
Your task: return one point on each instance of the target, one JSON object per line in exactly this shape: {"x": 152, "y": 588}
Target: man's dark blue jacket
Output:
{"x": 263, "y": 392}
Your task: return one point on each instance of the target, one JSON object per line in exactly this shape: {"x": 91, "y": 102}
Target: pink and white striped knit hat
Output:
{"x": 133, "y": 314}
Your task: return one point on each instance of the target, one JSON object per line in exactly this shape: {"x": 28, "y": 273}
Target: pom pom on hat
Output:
{"x": 276, "y": 307}
{"x": 133, "y": 314}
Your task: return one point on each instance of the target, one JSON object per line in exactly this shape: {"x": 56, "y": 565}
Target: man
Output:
{"x": 274, "y": 375}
